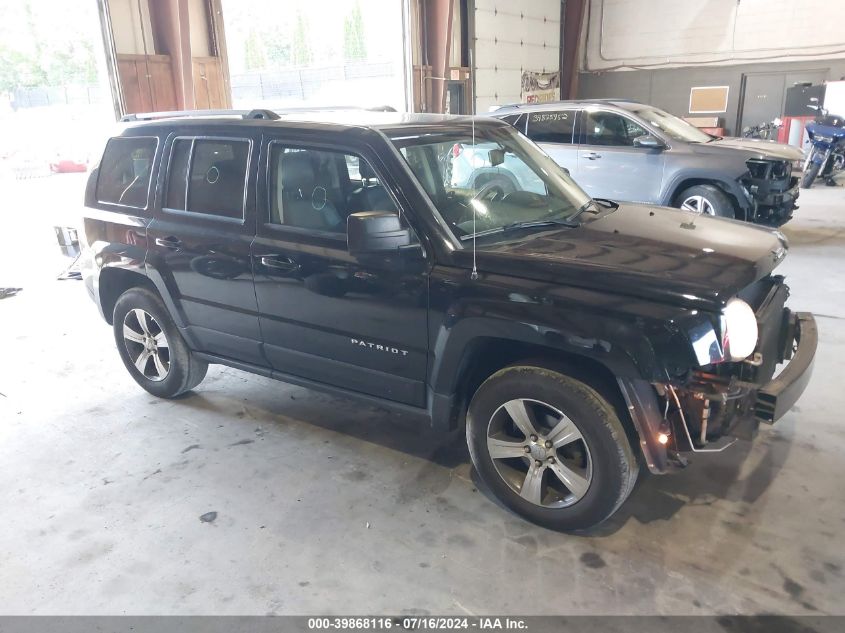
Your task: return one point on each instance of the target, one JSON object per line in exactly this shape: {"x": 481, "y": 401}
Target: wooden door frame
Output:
{"x": 214, "y": 9}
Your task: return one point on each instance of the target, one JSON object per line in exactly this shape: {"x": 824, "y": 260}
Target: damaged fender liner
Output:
{"x": 773, "y": 399}
{"x": 645, "y": 413}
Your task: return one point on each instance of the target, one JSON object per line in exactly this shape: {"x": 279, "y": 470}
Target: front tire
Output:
{"x": 550, "y": 447}
{"x": 151, "y": 347}
{"x": 706, "y": 200}
{"x": 810, "y": 175}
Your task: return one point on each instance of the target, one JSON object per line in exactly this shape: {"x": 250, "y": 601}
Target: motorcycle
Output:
{"x": 767, "y": 131}
{"x": 827, "y": 155}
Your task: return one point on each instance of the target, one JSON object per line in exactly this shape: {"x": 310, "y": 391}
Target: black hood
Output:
{"x": 654, "y": 252}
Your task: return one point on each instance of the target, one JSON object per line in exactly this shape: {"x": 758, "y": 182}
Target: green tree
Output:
{"x": 278, "y": 48}
{"x": 71, "y": 64}
{"x": 48, "y": 58}
{"x": 38, "y": 73}
{"x": 20, "y": 69}
{"x": 354, "y": 44}
{"x": 301, "y": 53}
{"x": 254, "y": 58}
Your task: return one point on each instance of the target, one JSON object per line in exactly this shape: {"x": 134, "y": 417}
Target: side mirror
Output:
{"x": 648, "y": 141}
{"x": 375, "y": 231}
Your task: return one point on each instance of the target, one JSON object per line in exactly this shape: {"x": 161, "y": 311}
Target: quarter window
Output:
{"x": 516, "y": 120}
{"x": 208, "y": 176}
{"x": 551, "y": 127}
{"x": 125, "y": 169}
{"x": 317, "y": 189}
{"x": 607, "y": 128}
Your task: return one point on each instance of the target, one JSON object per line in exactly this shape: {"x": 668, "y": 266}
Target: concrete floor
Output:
{"x": 323, "y": 506}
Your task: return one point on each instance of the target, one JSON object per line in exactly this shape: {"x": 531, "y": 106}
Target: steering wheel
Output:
{"x": 489, "y": 192}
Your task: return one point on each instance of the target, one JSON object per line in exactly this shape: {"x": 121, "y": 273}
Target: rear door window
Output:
{"x": 208, "y": 176}
{"x": 124, "y": 174}
{"x": 551, "y": 127}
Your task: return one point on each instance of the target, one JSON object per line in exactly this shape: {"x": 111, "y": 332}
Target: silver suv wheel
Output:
{"x": 146, "y": 344}
{"x": 540, "y": 453}
{"x": 698, "y": 204}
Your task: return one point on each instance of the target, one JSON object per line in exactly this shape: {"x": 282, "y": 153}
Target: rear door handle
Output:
{"x": 279, "y": 262}
{"x": 169, "y": 242}
{"x": 591, "y": 155}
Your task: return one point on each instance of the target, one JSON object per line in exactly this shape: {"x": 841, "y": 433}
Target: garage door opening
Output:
{"x": 303, "y": 54}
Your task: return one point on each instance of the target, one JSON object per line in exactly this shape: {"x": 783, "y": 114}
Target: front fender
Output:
{"x": 632, "y": 338}
{"x": 454, "y": 338}
{"x": 727, "y": 182}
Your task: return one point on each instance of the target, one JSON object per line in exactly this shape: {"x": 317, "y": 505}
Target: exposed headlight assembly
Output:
{"x": 739, "y": 337}
{"x": 763, "y": 169}
{"x": 758, "y": 168}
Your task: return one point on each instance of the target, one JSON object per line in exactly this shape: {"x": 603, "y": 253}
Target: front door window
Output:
{"x": 611, "y": 129}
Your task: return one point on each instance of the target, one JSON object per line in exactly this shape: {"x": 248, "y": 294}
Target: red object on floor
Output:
{"x": 68, "y": 167}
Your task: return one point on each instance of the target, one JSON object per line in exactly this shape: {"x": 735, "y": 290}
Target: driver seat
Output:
{"x": 301, "y": 201}
{"x": 370, "y": 196}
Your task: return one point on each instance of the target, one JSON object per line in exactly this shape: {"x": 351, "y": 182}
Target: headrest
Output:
{"x": 365, "y": 170}
{"x": 297, "y": 171}
{"x": 222, "y": 169}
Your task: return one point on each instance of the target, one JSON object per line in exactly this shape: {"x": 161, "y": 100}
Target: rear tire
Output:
{"x": 578, "y": 468}
{"x": 151, "y": 347}
{"x": 706, "y": 200}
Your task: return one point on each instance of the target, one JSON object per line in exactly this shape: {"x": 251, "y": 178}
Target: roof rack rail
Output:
{"x": 335, "y": 108}
{"x": 244, "y": 114}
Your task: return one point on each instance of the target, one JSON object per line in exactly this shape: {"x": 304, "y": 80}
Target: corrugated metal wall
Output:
{"x": 625, "y": 34}
{"x": 511, "y": 37}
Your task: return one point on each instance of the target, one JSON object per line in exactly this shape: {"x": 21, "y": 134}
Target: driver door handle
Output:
{"x": 170, "y": 241}
{"x": 591, "y": 155}
{"x": 279, "y": 262}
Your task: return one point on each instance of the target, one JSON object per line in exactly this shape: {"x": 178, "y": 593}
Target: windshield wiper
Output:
{"x": 515, "y": 226}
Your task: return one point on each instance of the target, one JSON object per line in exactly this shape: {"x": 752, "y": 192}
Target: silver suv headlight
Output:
{"x": 739, "y": 337}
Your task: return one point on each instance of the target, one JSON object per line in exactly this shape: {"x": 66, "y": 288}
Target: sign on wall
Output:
{"x": 540, "y": 87}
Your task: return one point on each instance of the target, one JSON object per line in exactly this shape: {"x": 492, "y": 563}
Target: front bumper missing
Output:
{"x": 766, "y": 403}
{"x": 772, "y": 201}
{"x": 782, "y": 392}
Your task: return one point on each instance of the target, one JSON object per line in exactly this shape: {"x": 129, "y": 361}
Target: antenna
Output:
{"x": 474, "y": 274}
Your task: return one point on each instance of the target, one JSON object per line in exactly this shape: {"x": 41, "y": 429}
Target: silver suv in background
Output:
{"x": 628, "y": 151}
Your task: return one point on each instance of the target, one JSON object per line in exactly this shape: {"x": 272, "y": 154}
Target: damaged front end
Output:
{"x": 771, "y": 191}
{"x": 708, "y": 408}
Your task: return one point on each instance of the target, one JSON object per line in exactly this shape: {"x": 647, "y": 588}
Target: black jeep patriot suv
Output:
{"x": 576, "y": 339}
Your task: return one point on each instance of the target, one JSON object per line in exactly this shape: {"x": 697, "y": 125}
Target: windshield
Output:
{"x": 671, "y": 126}
{"x": 500, "y": 180}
